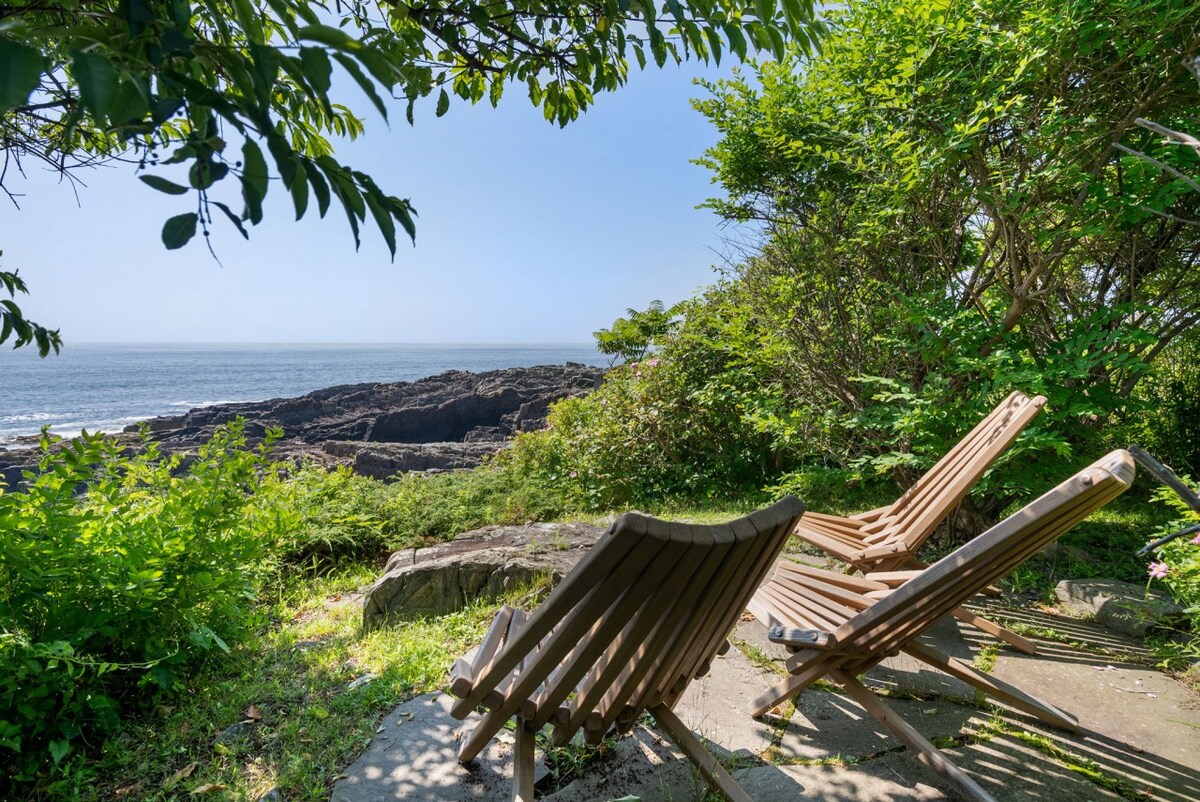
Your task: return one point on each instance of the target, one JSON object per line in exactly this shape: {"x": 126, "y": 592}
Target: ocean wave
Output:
{"x": 70, "y": 428}
{"x": 199, "y": 404}
{"x": 31, "y": 417}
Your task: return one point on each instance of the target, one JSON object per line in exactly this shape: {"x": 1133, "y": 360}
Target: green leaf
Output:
{"x": 737, "y": 41}
{"x": 250, "y": 20}
{"x": 20, "y": 71}
{"x": 299, "y": 190}
{"x": 203, "y": 174}
{"x": 778, "y": 45}
{"x": 365, "y": 83}
{"x": 233, "y": 218}
{"x": 714, "y": 43}
{"x": 165, "y": 108}
{"x": 383, "y": 219}
{"x": 403, "y": 212}
{"x": 59, "y": 750}
{"x": 328, "y": 35}
{"x": 319, "y": 186}
{"x": 255, "y": 180}
{"x": 285, "y": 158}
{"x": 163, "y": 185}
{"x": 98, "y": 82}
{"x": 317, "y": 69}
{"x": 443, "y": 103}
{"x": 131, "y": 103}
{"x": 178, "y": 230}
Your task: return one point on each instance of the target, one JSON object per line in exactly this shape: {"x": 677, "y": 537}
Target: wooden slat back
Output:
{"x": 639, "y": 617}
{"x": 914, "y": 516}
{"x": 907, "y": 611}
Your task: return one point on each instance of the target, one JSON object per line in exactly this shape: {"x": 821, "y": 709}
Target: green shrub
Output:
{"x": 322, "y": 517}
{"x": 1166, "y": 421}
{"x": 424, "y": 507}
{"x": 1178, "y": 563}
{"x": 116, "y": 573}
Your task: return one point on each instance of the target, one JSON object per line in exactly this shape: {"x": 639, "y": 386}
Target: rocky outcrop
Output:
{"x": 1120, "y": 606}
{"x": 385, "y": 460}
{"x": 444, "y": 422}
{"x": 454, "y": 406}
{"x": 482, "y": 564}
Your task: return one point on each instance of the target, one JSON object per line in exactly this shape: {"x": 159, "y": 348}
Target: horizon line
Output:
{"x": 455, "y": 344}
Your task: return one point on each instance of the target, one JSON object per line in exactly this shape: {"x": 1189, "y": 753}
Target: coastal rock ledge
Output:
{"x": 444, "y": 422}
{"x": 449, "y": 421}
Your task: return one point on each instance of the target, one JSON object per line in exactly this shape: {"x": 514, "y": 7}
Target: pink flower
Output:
{"x": 1196, "y": 540}
{"x": 573, "y": 474}
{"x": 639, "y": 374}
{"x": 652, "y": 363}
{"x": 1158, "y": 570}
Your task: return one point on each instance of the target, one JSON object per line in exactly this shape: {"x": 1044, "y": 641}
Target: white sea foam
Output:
{"x": 71, "y": 428}
{"x": 31, "y": 417}
{"x": 199, "y": 404}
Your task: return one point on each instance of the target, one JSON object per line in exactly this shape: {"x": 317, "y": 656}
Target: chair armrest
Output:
{"x": 892, "y": 579}
{"x": 801, "y": 638}
{"x": 880, "y": 552}
{"x": 870, "y": 515}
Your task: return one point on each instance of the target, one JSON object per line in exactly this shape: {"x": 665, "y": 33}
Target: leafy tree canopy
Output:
{"x": 631, "y": 338}
{"x": 221, "y": 100}
{"x": 949, "y": 211}
{"x": 978, "y": 154}
{"x": 185, "y": 82}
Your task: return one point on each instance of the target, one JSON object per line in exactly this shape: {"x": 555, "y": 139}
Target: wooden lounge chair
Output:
{"x": 642, "y": 614}
{"x": 843, "y": 625}
{"x": 887, "y": 538}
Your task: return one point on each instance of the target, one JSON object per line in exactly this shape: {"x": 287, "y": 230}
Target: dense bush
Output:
{"x": 729, "y": 406}
{"x": 320, "y": 516}
{"x": 1178, "y": 563}
{"x": 944, "y": 219}
{"x": 676, "y": 424}
{"x": 423, "y": 507}
{"x": 1166, "y": 420}
{"x": 116, "y": 573}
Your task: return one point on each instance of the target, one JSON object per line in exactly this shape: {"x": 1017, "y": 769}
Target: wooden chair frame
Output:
{"x": 886, "y": 539}
{"x": 643, "y": 613}
{"x": 841, "y": 625}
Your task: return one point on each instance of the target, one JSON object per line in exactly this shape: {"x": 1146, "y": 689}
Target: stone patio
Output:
{"x": 1140, "y": 732}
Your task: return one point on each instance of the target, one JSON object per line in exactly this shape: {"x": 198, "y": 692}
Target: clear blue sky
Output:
{"x": 527, "y": 233}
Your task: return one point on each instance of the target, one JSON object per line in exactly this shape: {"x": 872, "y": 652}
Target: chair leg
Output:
{"x": 994, "y": 629}
{"x": 995, "y": 688}
{"x": 701, "y": 758}
{"x": 523, "y": 763}
{"x": 927, "y": 752}
{"x": 789, "y": 686}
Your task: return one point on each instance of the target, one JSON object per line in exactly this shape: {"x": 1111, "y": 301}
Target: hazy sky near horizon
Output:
{"x": 526, "y": 233}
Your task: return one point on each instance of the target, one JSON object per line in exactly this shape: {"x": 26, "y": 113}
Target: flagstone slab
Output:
{"x": 644, "y": 765}
{"x": 1136, "y": 722}
{"x": 716, "y": 705}
{"x": 867, "y": 782}
{"x": 414, "y": 757}
{"x": 829, "y": 726}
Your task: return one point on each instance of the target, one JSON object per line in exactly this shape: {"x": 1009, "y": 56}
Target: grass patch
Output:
{"x": 985, "y": 658}
{"x": 1084, "y": 766}
{"x": 294, "y": 686}
{"x": 757, "y": 656}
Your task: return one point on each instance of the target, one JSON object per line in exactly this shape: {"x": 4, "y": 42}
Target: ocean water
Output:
{"x": 106, "y": 387}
